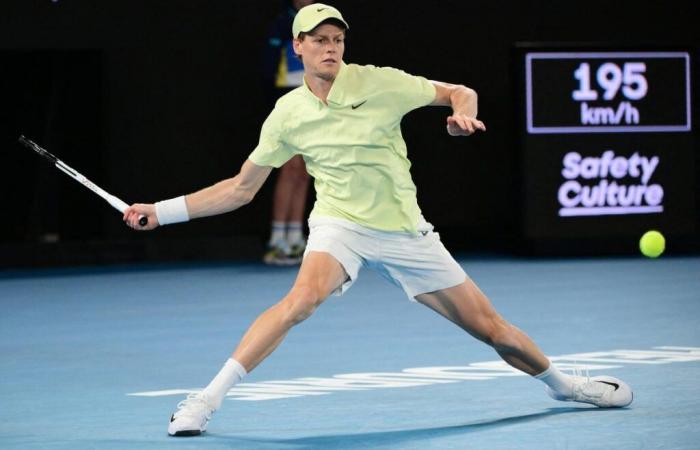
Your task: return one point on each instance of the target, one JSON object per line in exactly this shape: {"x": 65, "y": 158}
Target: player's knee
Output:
{"x": 300, "y": 304}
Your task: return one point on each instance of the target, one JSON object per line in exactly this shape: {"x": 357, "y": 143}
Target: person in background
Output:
{"x": 283, "y": 71}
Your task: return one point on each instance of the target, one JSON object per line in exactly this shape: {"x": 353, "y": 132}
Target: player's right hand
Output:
{"x": 135, "y": 211}
{"x": 459, "y": 124}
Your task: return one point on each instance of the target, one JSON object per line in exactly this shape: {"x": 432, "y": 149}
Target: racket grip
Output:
{"x": 143, "y": 221}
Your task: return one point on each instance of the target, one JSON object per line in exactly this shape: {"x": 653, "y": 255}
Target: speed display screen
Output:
{"x": 606, "y": 141}
{"x": 589, "y": 92}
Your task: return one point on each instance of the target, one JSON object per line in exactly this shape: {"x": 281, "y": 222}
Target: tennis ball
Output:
{"x": 652, "y": 244}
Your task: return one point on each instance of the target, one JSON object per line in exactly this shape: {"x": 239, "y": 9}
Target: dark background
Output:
{"x": 153, "y": 99}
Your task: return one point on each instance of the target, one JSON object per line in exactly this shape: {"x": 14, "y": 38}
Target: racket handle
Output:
{"x": 143, "y": 221}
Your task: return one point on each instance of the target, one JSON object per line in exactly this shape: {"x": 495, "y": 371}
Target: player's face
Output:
{"x": 322, "y": 51}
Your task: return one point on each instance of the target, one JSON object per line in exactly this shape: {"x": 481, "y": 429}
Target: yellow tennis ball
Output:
{"x": 652, "y": 244}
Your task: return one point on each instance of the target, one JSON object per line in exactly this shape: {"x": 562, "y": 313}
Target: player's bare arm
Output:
{"x": 225, "y": 196}
{"x": 464, "y": 103}
{"x": 230, "y": 194}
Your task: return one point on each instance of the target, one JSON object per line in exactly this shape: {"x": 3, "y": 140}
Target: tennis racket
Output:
{"x": 77, "y": 176}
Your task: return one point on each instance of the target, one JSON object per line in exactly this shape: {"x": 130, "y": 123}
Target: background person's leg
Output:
{"x": 289, "y": 198}
{"x": 287, "y": 241}
{"x": 298, "y": 178}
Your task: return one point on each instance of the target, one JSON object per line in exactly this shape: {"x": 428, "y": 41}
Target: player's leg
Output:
{"x": 470, "y": 309}
{"x": 319, "y": 275}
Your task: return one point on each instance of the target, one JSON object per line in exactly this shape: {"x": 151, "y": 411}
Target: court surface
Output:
{"x": 98, "y": 359}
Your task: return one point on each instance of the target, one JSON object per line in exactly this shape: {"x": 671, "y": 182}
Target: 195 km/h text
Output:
{"x": 629, "y": 80}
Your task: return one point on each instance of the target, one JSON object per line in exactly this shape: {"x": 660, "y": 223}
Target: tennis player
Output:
{"x": 345, "y": 122}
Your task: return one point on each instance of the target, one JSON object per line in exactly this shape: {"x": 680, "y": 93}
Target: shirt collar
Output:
{"x": 336, "y": 95}
{"x": 338, "y": 90}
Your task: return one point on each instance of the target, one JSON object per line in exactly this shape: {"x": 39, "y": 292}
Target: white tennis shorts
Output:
{"x": 417, "y": 263}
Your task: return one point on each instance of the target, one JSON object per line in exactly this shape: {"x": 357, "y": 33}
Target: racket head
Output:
{"x": 34, "y": 146}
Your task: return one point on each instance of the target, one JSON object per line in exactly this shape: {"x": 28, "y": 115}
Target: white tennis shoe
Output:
{"x": 192, "y": 416}
{"x": 602, "y": 391}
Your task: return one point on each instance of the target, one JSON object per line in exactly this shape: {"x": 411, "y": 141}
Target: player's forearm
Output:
{"x": 464, "y": 100}
{"x": 461, "y": 99}
{"x": 225, "y": 196}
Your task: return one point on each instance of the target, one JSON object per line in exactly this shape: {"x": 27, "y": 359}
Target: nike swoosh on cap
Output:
{"x": 320, "y": 9}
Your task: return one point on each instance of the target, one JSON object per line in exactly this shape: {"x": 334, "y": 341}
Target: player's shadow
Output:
{"x": 380, "y": 438}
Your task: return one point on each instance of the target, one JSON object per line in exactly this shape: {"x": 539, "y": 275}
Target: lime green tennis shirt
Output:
{"x": 352, "y": 146}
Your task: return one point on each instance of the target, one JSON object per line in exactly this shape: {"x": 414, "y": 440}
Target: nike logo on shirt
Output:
{"x": 358, "y": 105}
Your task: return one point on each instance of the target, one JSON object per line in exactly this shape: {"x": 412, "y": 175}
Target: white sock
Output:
{"x": 277, "y": 233}
{"x": 295, "y": 233}
{"x": 230, "y": 374}
{"x": 559, "y": 382}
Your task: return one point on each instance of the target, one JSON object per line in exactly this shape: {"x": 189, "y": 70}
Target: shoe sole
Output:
{"x": 187, "y": 433}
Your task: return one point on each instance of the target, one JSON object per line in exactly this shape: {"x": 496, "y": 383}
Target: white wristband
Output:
{"x": 172, "y": 211}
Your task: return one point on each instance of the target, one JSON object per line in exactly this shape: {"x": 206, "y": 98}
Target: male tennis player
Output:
{"x": 345, "y": 122}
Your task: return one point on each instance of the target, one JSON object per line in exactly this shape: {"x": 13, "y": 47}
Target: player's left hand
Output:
{"x": 463, "y": 125}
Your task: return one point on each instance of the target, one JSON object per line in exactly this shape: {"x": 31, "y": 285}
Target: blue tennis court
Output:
{"x": 98, "y": 359}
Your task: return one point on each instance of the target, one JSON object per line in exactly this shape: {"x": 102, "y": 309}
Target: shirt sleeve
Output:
{"x": 409, "y": 92}
{"x": 271, "y": 150}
